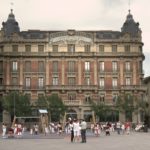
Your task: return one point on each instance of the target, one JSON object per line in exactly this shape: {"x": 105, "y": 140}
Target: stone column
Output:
{"x": 95, "y": 72}
{"x": 121, "y": 72}
{"x": 21, "y": 73}
{"x": 122, "y": 116}
{"x": 79, "y": 72}
{"x": 8, "y": 72}
{"x": 47, "y": 72}
{"x": 134, "y": 73}
{"x": 6, "y": 117}
{"x": 63, "y": 73}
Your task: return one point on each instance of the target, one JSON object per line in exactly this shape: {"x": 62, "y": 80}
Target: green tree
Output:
{"x": 17, "y": 104}
{"x": 144, "y": 106}
{"x": 54, "y": 105}
{"x": 100, "y": 109}
{"x": 126, "y": 105}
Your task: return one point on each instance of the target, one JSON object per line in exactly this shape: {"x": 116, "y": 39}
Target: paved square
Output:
{"x": 134, "y": 141}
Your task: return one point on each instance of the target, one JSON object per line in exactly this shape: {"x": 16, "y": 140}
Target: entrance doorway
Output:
{"x": 71, "y": 114}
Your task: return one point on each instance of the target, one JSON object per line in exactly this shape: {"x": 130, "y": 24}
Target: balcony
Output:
{"x": 34, "y": 73}
{"x": 71, "y": 74}
{"x": 87, "y": 73}
{"x": 72, "y": 102}
{"x": 11, "y": 87}
{"x": 15, "y": 72}
{"x": 55, "y": 74}
{"x": 35, "y": 88}
{"x": 133, "y": 87}
{"x": 1, "y": 71}
{"x": 2, "y": 87}
{"x": 72, "y": 87}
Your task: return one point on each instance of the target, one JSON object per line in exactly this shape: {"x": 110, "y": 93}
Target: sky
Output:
{"x": 80, "y": 15}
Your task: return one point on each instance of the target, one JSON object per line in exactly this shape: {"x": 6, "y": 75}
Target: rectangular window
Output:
{"x": 102, "y": 98}
{"x": 27, "y": 48}
{"x": 41, "y": 66}
{"x": 71, "y": 96}
{"x": 71, "y": 81}
{"x": 55, "y": 66}
{"x": 101, "y": 48}
{"x": 140, "y": 66}
{"x": 127, "y": 66}
{"x": 127, "y": 48}
{"x": 1, "y": 81}
{"x": 87, "y": 81}
{"x": 128, "y": 81}
{"x": 28, "y": 82}
{"x": 87, "y": 48}
{"x": 114, "y": 66}
{"x": 114, "y": 82}
{"x": 87, "y": 98}
{"x": 41, "y": 82}
{"x": 114, "y": 97}
{"x": 101, "y": 82}
{"x": 40, "y": 48}
{"x": 114, "y": 48}
{"x": 55, "y": 81}
{"x": 140, "y": 49}
{"x": 14, "y": 81}
{"x": 71, "y": 48}
{"x": 71, "y": 66}
{"x": 87, "y": 66}
{"x": 1, "y": 66}
{"x": 14, "y": 66}
{"x": 14, "y": 48}
{"x": 28, "y": 95}
{"x": 102, "y": 67}
{"x": 27, "y": 66}
{"x": 55, "y": 48}
{"x": 1, "y": 49}
{"x": 40, "y": 95}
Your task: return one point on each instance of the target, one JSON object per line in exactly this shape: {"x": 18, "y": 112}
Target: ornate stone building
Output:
{"x": 78, "y": 65}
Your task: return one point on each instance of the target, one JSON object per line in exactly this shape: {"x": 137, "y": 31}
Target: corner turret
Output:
{"x": 131, "y": 27}
{"x": 11, "y": 25}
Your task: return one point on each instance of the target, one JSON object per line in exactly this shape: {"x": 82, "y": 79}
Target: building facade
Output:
{"x": 147, "y": 100}
{"x": 77, "y": 65}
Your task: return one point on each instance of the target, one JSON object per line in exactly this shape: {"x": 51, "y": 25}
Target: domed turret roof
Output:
{"x": 11, "y": 25}
{"x": 130, "y": 26}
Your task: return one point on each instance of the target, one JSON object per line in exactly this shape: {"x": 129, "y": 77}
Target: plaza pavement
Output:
{"x": 134, "y": 141}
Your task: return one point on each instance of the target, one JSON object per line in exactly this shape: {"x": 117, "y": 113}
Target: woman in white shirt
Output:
{"x": 76, "y": 130}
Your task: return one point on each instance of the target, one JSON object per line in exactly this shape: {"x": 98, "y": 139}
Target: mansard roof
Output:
{"x": 130, "y": 27}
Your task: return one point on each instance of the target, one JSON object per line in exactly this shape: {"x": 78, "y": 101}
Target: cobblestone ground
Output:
{"x": 134, "y": 141}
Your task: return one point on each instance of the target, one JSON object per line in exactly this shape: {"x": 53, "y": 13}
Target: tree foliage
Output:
{"x": 17, "y": 104}
{"x": 54, "y": 105}
{"x": 100, "y": 109}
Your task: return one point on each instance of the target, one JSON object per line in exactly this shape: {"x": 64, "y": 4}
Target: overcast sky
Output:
{"x": 80, "y": 15}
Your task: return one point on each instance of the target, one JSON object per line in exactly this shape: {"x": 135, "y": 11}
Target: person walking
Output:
{"x": 118, "y": 126}
{"x": 76, "y": 129}
{"x": 71, "y": 131}
{"x": 4, "y": 130}
{"x": 83, "y": 131}
{"x": 36, "y": 129}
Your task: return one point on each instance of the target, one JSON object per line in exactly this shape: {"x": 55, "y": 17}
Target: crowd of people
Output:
{"x": 16, "y": 131}
{"x": 75, "y": 128}
{"x": 108, "y": 127}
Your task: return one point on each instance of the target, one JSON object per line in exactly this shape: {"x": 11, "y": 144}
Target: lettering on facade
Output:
{"x": 70, "y": 40}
